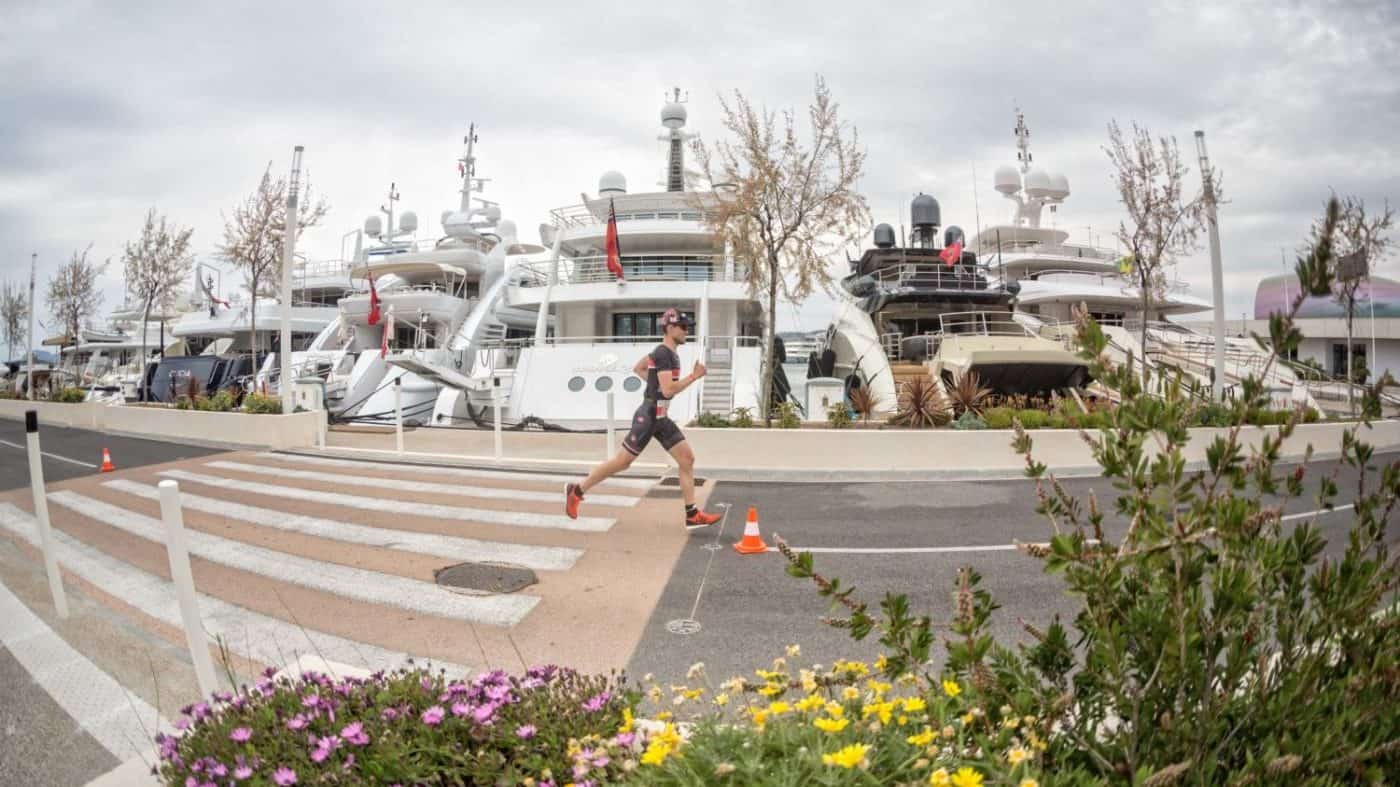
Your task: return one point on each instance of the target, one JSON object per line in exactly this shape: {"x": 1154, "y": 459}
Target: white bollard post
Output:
{"x": 612, "y": 438}
{"x": 321, "y": 429}
{"x": 41, "y": 512}
{"x": 496, "y": 418}
{"x": 184, "y": 586}
{"x": 398, "y": 415}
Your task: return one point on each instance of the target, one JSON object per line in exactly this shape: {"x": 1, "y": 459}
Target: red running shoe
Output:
{"x": 700, "y": 519}
{"x": 572, "y": 497}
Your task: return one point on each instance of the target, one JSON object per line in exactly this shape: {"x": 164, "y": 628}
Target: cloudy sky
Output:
{"x": 107, "y": 109}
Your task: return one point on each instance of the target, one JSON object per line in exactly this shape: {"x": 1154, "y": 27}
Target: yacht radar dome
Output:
{"x": 612, "y": 183}
{"x": 954, "y": 234}
{"x": 374, "y": 227}
{"x": 408, "y": 222}
{"x": 458, "y": 224}
{"x": 884, "y": 236}
{"x": 1008, "y": 180}
{"x": 673, "y": 115}
{"x": 1037, "y": 184}
{"x": 492, "y": 213}
{"x": 924, "y": 212}
{"x": 1059, "y": 186}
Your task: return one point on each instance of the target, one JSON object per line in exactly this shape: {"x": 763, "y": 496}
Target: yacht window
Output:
{"x": 603, "y": 383}
{"x": 632, "y": 384}
{"x": 639, "y": 324}
{"x": 407, "y": 335}
{"x": 576, "y": 384}
{"x": 668, "y": 215}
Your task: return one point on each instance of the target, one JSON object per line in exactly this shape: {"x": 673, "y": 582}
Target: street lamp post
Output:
{"x": 284, "y": 353}
{"x": 1217, "y": 276}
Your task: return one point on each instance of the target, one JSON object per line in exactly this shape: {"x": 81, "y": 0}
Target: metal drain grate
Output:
{"x": 485, "y": 577}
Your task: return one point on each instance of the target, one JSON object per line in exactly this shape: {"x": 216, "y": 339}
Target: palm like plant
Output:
{"x": 864, "y": 402}
{"x": 921, "y": 405}
{"x": 968, "y": 395}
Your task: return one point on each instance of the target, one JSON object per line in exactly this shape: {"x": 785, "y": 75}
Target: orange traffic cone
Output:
{"x": 107, "y": 465}
{"x": 752, "y": 542}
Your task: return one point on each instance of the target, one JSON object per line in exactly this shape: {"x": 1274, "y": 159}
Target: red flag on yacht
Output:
{"x": 373, "y": 303}
{"x": 388, "y": 331}
{"x": 614, "y": 251}
{"x": 951, "y": 253}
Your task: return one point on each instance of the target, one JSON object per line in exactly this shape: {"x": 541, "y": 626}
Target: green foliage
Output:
{"x": 788, "y": 417}
{"x": 68, "y": 395}
{"x": 409, "y": 727}
{"x": 838, "y": 415}
{"x": 1215, "y": 643}
{"x": 221, "y": 402}
{"x": 712, "y": 421}
{"x": 969, "y": 420}
{"x": 184, "y": 403}
{"x": 998, "y": 417}
{"x": 967, "y": 394}
{"x": 1033, "y": 419}
{"x": 259, "y": 404}
{"x": 743, "y": 418}
{"x": 864, "y": 402}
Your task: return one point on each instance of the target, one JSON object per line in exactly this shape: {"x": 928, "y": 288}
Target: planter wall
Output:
{"x": 298, "y": 430}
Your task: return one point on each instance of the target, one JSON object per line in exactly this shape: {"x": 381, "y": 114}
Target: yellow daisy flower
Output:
{"x": 810, "y": 703}
{"x": 915, "y": 704}
{"x": 778, "y": 708}
{"x": 849, "y": 757}
{"x": 794, "y": 651}
{"x": 940, "y": 778}
{"x": 1017, "y": 755}
{"x": 721, "y": 699}
{"x": 1028, "y": 782}
{"x": 967, "y": 777}
{"x": 835, "y": 710}
{"x": 627, "y": 721}
{"x": 770, "y": 690}
{"x": 850, "y": 693}
{"x": 831, "y": 726}
{"x": 951, "y": 688}
{"x": 922, "y": 739}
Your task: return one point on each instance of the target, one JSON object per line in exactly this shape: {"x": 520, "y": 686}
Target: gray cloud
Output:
{"x": 108, "y": 109}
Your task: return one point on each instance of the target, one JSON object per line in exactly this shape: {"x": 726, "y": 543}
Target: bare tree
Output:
{"x": 154, "y": 265}
{"x": 1364, "y": 241}
{"x": 793, "y": 201}
{"x": 73, "y": 297}
{"x": 14, "y": 311}
{"x": 253, "y": 236}
{"x": 1163, "y": 223}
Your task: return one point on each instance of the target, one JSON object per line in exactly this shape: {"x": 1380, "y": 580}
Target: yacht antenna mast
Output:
{"x": 673, "y": 117}
{"x": 466, "y": 166}
{"x": 1023, "y": 142}
{"x": 389, "y": 211}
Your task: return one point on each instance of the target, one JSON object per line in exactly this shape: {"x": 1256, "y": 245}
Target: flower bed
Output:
{"x": 408, "y": 727}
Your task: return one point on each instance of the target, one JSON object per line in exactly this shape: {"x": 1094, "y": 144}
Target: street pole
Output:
{"x": 29, "y": 382}
{"x": 284, "y": 353}
{"x": 1217, "y": 276}
{"x": 41, "y": 513}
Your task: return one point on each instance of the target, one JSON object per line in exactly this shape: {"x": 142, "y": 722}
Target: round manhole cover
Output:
{"x": 683, "y": 626}
{"x": 485, "y": 578}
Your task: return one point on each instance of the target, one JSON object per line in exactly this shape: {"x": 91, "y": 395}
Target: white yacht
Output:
{"x": 603, "y": 323}
{"x": 218, "y": 338}
{"x": 438, "y": 301}
{"x": 108, "y": 361}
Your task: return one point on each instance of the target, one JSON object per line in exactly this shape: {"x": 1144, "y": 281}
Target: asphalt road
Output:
{"x": 749, "y": 610}
{"x": 70, "y": 453}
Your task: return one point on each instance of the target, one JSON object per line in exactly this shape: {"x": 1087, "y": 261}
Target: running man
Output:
{"x": 661, "y": 369}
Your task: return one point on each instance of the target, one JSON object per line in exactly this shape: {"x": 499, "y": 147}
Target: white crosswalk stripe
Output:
{"x": 399, "y": 485}
{"x": 404, "y": 507}
{"x": 345, "y": 581}
{"x": 642, "y": 484}
{"x": 252, "y": 635}
{"x": 122, "y": 722}
{"x": 540, "y": 558}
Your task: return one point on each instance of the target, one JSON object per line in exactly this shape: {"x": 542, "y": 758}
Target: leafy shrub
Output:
{"x": 998, "y": 417}
{"x": 6, "y": 392}
{"x": 967, "y": 394}
{"x": 260, "y": 404}
{"x": 788, "y": 417}
{"x": 712, "y": 421}
{"x": 68, "y": 395}
{"x": 1056, "y": 421}
{"x": 1033, "y": 419}
{"x": 1214, "y": 414}
{"x": 921, "y": 405}
{"x": 408, "y": 727}
{"x": 743, "y": 418}
{"x": 969, "y": 420}
{"x": 184, "y": 403}
{"x": 1311, "y": 415}
{"x": 838, "y": 415}
{"x": 221, "y": 402}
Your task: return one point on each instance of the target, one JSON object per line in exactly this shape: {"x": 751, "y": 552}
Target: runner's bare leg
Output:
{"x": 602, "y": 472}
{"x": 685, "y": 464}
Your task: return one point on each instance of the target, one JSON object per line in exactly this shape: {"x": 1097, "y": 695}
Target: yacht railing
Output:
{"x": 937, "y": 276}
{"x": 981, "y": 324}
{"x": 323, "y": 269}
{"x": 592, "y": 270}
{"x": 583, "y": 216}
{"x": 529, "y": 341}
{"x": 1051, "y": 249}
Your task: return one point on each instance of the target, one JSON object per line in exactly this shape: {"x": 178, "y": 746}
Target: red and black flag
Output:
{"x": 614, "y": 251}
{"x": 373, "y": 302}
{"x": 951, "y": 253}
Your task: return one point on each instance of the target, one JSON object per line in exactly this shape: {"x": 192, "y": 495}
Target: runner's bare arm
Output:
{"x": 641, "y": 368}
